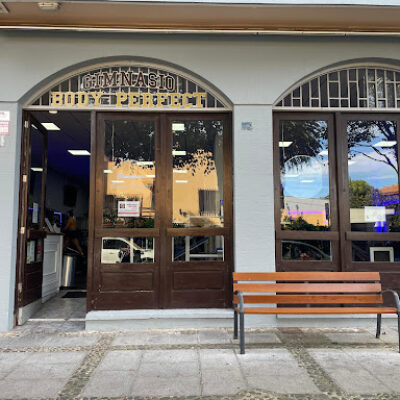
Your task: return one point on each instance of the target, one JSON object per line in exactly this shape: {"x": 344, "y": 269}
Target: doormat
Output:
{"x": 74, "y": 295}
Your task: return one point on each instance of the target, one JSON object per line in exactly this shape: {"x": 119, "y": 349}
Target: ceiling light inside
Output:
{"x": 79, "y": 152}
{"x": 144, "y": 163}
{"x": 108, "y": 171}
{"x": 53, "y": 112}
{"x": 176, "y": 127}
{"x": 178, "y": 181}
{"x": 323, "y": 153}
{"x": 117, "y": 181}
{"x": 37, "y": 169}
{"x": 180, "y": 171}
{"x": 385, "y": 143}
{"x": 50, "y": 126}
{"x": 285, "y": 144}
{"x": 178, "y": 152}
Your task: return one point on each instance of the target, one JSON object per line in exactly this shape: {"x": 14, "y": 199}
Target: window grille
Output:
{"x": 349, "y": 88}
{"x": 76, "y": 82}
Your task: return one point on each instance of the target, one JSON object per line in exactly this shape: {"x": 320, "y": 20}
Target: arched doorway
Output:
{"x": 160, "y": 213}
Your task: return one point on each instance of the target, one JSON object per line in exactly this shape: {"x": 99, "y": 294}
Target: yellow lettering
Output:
{"x": 199, "y": 96}
{"x": 185, "y": 100}
{"x": 134, "y": 99}
{"x": 96, "y": 96}
{"x": 147, "y": 100}
{"x": 161, "y": 97}
{"x": 69, "y": 99}
{"x": 175, "y": 103}
{"x": 83, "y": 99}
{"x": 56, "y": 98}
{"x": 121, "y": 97}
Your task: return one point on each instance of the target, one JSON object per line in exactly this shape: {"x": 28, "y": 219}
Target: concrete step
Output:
{"x": 159, "y": 319}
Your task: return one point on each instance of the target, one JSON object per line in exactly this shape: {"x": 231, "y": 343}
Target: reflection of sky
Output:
{"x": 307, "y": 179}
{"x": 368, "y": 165}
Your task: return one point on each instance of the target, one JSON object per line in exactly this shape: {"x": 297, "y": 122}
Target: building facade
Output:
{"x": 287, "y": 144}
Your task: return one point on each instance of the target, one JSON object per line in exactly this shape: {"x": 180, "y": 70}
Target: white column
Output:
{"x": 9, "y": 184}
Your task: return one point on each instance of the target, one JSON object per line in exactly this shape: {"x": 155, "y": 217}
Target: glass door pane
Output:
{"x": 197, "y": 157}
{"x": 373, "y": 176}
{"x": 304, "y": 175}
{"x": 129, "y": 174}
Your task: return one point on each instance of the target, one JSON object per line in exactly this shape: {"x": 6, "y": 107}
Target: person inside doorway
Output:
{"x": 71, "y": 232}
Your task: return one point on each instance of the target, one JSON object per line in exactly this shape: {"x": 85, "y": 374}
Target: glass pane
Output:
{"x": 129, "y": 174}
{"x": 304, "y": 171}
{"x": 35, "y": 180}
{"x": 116, "y": 250}
{"x": 373, "y": 176}
{"x": 306, "y": 250}
{"x": 198, "y": 173}
{"x": 373, "y": 251}
{"x": 198, "y": 248}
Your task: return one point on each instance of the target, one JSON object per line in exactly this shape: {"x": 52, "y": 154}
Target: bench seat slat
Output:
{"x": 321, "y": 310}
{"x": 308, "y": 287}
{"x": 306, "y": 276}
{"x": 311, "y": 299}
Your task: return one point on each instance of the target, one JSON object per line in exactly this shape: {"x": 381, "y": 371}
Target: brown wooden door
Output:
{"x": 32, "y": 206}
{"x": 163, "y": 211}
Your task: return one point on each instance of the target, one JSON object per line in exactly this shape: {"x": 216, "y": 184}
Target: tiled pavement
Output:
{"x": 281, "y": 364}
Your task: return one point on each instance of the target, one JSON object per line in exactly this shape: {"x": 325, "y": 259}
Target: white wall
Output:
{"x": 251, "y": 71}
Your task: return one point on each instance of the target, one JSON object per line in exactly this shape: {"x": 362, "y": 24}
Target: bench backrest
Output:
{"x": 308, "y": 287}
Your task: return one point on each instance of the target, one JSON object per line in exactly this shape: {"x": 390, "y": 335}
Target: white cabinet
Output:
{"x": 52, "y": 265}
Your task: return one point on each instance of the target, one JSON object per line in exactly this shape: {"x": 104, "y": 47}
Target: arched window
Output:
{"x": 361, "y": 87}
{"x": 337, "y": 197}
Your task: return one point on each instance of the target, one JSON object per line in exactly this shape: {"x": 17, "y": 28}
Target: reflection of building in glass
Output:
{"x": 313, "y": 211}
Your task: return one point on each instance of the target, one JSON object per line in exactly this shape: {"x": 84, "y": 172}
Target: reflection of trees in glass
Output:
{"x": 363, "y": 134}
{"x": 308, "y": 139}
{"x": 300, "y": 224}
{"x": 360, "y": 193}
{"x": 199, "y": 140}
{"x": 129, "y": 140}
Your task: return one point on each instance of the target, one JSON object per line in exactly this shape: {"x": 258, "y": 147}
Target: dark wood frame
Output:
{"x": 333, "y": 233}
{"x": 26, "y": 274}
{"x": 163, "y": 268}
{"x": 339, "y": 194}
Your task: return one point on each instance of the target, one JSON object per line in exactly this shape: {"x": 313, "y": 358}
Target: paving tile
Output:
{"x": 166, "y": 356}
{"x": 32, "y": 340}
{"x": 9, "y": 361}
{"x": 30, "y": 388}
{"x": 109, "y": 383}
{"x": 71, "y": 341}
{"x": 218, "y": 359}
{"x": 223, "y": 382}
{"x": 349, "y": 337}
{"x": 269, "y": 362}
{"x": 130, "y": 339}
{"x": 214, "y": 336}
{"x": 150, "y": 386}
{"x": 173, "y": 338}
{"x": 347, "y": 372}
{"x": 283, "y": 383}
{"x": 261, "y": 337}
{"x": 120, "y": 360}
{"x": 391, "y": 381}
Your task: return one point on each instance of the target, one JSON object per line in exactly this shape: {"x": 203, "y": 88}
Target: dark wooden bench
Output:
{"x": 303, "y": 292}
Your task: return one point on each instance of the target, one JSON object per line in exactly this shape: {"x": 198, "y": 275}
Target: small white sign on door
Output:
{"x": 129, "y": 209}
{"x": 374, "y": 214}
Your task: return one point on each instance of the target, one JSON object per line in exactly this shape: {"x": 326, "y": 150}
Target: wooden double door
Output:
{"x": 161, "y": 211}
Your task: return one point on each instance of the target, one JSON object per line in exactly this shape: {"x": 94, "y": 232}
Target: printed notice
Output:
{"x": 129, "y": 209}
{"x": 374, "y": 214}
{"x": 4, "y": 123}
{"x": 35, "y": 213}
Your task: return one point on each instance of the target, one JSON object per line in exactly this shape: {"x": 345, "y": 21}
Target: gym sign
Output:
{"x": 130, "y": 87}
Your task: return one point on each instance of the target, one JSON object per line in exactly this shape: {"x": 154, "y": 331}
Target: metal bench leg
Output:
{"x": 235, "y": 324}
{"x": 242, "y": 346}
{"x": 398, "y": 328}
{"x": 378, "y": 325}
